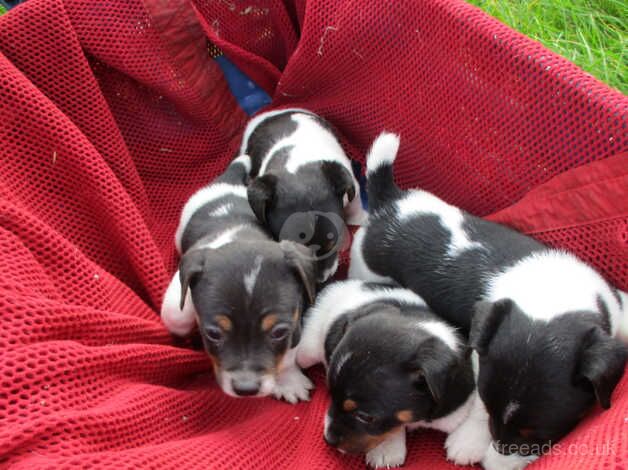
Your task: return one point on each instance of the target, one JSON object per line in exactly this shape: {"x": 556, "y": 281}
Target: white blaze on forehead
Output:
{"x": 250, "y": 279}
{"x": 509, "y": 411}
{"x": 422, "y": 203}
{"x": 442, "y": 331}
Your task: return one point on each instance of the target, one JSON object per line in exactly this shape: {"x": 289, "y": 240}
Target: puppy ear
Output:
{"x": 340, "y": 179}
{"x": 301, "y": 259}
{"x": 334, "y": 335}
{"x": 602, "y": 363}
{"x": 190, "y": 267}
{"x": 486, "y": 321}
{"x": 261, "y": 195}
{"x": 431, "y": 365}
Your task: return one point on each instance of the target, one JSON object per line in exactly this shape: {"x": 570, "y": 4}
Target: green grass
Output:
{"x": 591, "y": 33}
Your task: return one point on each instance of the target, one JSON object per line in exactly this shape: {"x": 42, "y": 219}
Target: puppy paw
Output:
{"x": 493, "y": 460}
{"x": 292, "y": 386}
{"x": 390, "y": 453}
{"x": 467, "y": 445}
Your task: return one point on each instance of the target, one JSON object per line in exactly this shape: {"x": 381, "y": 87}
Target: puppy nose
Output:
{"x": 245, "y": 387}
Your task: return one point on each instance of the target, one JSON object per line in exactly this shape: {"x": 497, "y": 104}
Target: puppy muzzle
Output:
{"x": 245, "y": 383}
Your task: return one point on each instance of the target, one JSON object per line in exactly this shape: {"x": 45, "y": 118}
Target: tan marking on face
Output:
{"x": 224, "y": 322}
{"x": 405, "y": 416}
{"x": 362, "y": 443}
{"x": 269, "y": 321}
{"x": 349, "y": 405}
{"x": 295, "y": 315}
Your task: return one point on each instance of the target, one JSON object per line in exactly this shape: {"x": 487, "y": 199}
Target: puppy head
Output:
{"x": 306, "y": 208}
{"x": 384, "y": 371}
{"x": 249, "y": 298}
{"x": 538, "y": 379}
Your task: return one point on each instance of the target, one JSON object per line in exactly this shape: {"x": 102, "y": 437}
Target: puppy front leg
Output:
{"x": 291, "y": 384}
{"x": 177, "y": 321}
{"x": 469, "y": 443}
{"x": 390, "y": 453}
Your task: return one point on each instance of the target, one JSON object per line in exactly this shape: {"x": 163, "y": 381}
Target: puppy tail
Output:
{"x": 237, "y": 172}
{"x": 379, "y": 170}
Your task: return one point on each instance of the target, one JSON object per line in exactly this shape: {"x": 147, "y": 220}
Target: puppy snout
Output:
{"x": 245, "y": 386}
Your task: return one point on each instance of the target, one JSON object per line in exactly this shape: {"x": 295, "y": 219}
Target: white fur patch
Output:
{"x": 311, "y": 142}
{"x": 623, "y": 322}
{"x": 443, "y": 331}
{"x": 418, "y": 203}
{"x": 358, "y": 269}
{"x": 258, "y": 119}
{"x": 547, "y": 284}
{"x": 222, "y": 239}
{"x": 389, "y": 453}
{"x": 222, "y": 210}
{"x": 493, "y": 460}
{"x": 383, "y": 152}
{"x": 199, "y": 199}
{"x": 329, "y": 272}
{"x": 177, "y": 321}
{"x": 245, "y": 161}
{"x": 250, "y": 279}
{"x": 332, "y": 302}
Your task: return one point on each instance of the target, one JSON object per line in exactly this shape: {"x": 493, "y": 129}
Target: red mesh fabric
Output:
{"x": 113, "y": 113}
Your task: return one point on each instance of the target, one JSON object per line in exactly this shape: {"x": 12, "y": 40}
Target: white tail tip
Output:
{"x": 382, "y": 152}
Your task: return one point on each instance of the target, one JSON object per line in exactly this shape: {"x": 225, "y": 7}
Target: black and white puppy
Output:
{"x": 303, "y": 188}
{"x": 544, "y": 330}
{"x": 391, "y": 364}
{"x": 245, "y": 291}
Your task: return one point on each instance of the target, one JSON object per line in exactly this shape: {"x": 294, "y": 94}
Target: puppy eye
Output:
{"x": 526, "y": 433}
{"x": 280, "y": 332}
{"x": 363, "y": 417}
{"x": 214, "y": 334}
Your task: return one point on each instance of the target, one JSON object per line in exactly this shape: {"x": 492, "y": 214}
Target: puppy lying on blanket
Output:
{"x": 543, "y": 333}
{"x": 245, "y": 291}
{"x": 392, "y": 365}
{"x": 303, "y": 187}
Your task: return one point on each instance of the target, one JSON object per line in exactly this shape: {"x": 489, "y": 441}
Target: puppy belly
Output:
{"x": 177, "y": 321}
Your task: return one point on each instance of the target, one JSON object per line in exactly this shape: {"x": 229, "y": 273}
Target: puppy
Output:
{"x": 303, "y": 186}
{"x": 543, "y": 332}
{"x": 391, "y": 364}
{"x": 245, "y": 291}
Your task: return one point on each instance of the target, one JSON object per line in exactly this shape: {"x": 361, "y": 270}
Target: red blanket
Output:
{"x": 113, "y": 113}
